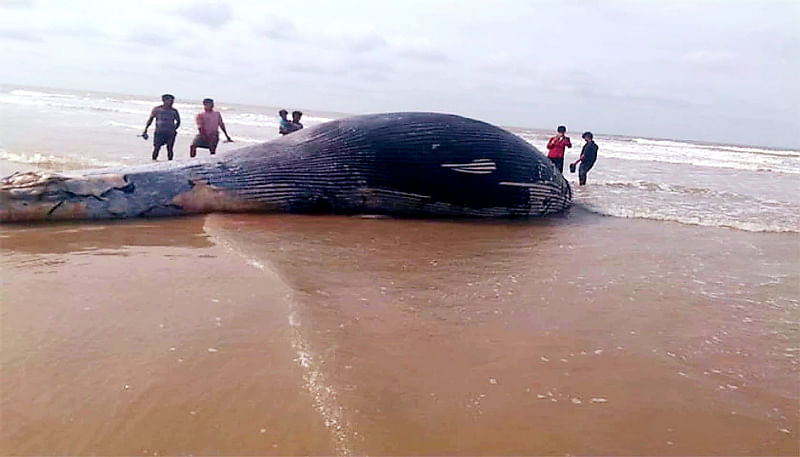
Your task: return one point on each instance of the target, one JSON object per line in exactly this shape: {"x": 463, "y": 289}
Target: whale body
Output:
{"x": 405, "y": 164}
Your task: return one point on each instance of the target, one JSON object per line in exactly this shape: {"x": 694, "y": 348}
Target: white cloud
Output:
{"x": 615, "y": 66}
{"x": 156, "y": 37}
{"x": 20, "y": 34}
{"x": 277, "y": 28}
{"x": 8, "y": 4}
{"x": 211, "y": 14}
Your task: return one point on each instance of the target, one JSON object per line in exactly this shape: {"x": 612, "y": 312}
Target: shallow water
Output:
{"x": 253, "y": 334}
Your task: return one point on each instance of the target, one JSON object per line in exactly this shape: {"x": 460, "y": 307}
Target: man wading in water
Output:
{"x": 208, "y": 121}
{"x": 167, "y": 122}
{"x": 587, "y": 158}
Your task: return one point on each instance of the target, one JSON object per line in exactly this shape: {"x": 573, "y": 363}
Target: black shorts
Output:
{"x": 162, "y": 138}
{"x": 558, "y": 162}
{"x": 200, "y": 142}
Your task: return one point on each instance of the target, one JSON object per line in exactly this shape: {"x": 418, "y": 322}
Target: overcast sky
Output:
{"x": 706, "y": 70}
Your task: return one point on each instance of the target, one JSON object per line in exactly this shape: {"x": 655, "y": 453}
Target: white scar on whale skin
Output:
{"x": 323, "y": 393}
{"x": 477, "y": 166}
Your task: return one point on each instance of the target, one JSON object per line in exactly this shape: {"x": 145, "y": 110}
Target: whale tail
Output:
{"x": 35, "y": 196}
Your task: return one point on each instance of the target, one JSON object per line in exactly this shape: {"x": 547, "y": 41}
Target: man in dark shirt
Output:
{"x": 587, "y": 159}
{"x": 167, "y": 122}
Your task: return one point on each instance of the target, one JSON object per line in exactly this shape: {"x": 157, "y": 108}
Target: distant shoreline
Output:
{"x": 339, "y": 114}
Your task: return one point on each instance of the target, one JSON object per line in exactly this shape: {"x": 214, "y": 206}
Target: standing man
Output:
{"x": 555, "y": 148}
{"x": 167, "y": 122}
{"x": 587, "y": 158}
{"x": 208, "y": 121}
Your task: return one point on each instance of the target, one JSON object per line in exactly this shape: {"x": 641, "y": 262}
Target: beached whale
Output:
{"x": 412, "y": 164}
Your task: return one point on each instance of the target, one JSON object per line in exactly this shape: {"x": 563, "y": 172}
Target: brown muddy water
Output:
{"x": 287, "y": 335}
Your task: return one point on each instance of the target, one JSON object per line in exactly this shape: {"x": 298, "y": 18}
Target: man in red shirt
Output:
{"x": 555, "y": 148}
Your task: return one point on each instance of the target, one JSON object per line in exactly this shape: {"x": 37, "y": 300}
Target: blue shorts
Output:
{"x": 160, "y": 138}
{"x": 200, "y": 142}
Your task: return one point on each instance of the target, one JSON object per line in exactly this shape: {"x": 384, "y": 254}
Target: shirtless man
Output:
{"x": 208, "y": 121}
{"x": 167, "y": 122}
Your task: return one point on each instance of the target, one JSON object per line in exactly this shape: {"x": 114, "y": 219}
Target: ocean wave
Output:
{"x": 33, "y": 93}
{"x": 705, "y": 220}
{"x": 185, "y": 107}
{"x": 245, "y": 119}
{"x": 194, "y": 107}
{"x": 124, "y": 125}
{"x": 644, "y": 199}
{"x": 723, "y": 147}
{"x": 671, "y": 188}
{"x": 140, "y": 107}
{"x": 763, "y": 164}
{"x": 252, "y": 121}
{"x": 74, "y": 102}
{"x": 189, "y": 132}
{"x": 683, "y": 153}
{"x": 77, "y": 105}
{"x": 534, "y": 138}
{"x": 56, "y": 162}
{"x": 140, "y": 127}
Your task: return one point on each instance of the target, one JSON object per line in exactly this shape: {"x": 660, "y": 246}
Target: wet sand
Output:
{"x": 287, "y": 335}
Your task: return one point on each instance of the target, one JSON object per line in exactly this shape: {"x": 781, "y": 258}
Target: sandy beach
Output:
{"x": 287, "y": 335}
{"x": 383, "y": 255}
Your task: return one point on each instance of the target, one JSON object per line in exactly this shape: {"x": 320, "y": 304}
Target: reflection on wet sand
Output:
{"x": 69, "y": 237}
{"x": 284, "y": 335}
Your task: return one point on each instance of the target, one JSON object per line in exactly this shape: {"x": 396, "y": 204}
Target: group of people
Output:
{"x": 557, "y": 145}
{"x": 168, "y": 120}
{"x": 286, "y": 126}
{"x": 209, "y": 123}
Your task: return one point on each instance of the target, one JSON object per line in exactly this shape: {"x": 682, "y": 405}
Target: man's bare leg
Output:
{"x": 170, "y": 144}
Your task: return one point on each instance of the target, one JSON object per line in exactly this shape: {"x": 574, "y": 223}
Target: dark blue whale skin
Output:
{"x": 405, "y": 164}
